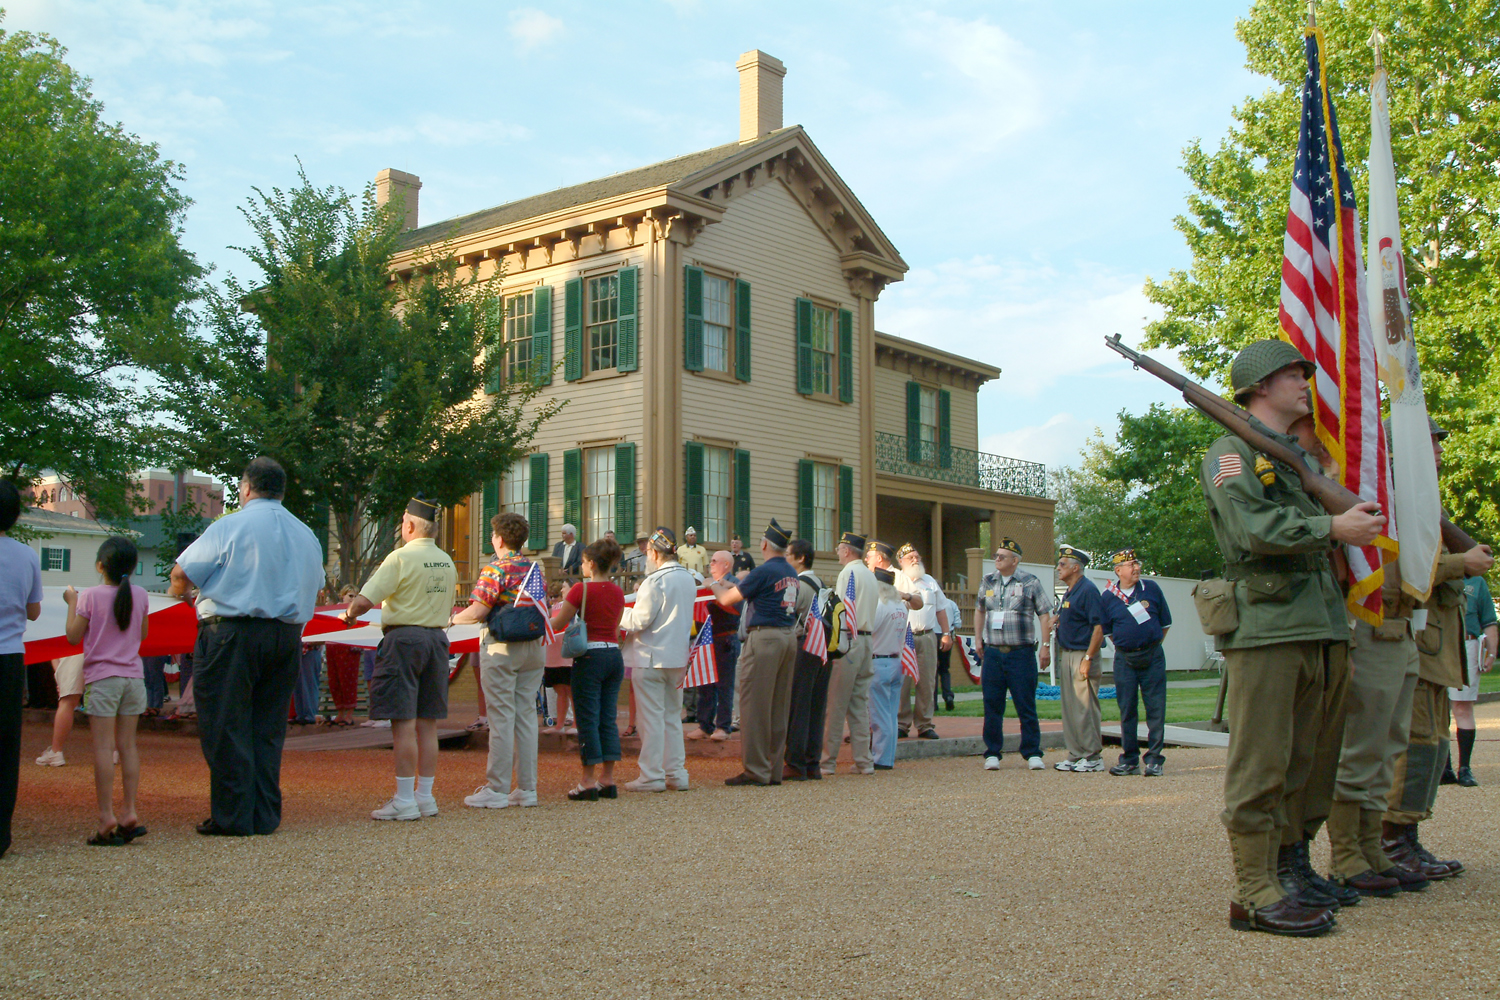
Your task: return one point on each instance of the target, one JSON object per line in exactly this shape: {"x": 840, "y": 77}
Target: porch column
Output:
{"x": 937, "y": 541}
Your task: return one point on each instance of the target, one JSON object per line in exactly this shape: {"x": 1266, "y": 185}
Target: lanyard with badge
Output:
{"x": 1012, "y": 595}
{"x": 1136, "y": 608}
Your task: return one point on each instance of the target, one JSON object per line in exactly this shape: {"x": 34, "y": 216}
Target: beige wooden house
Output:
{"x": 710, "y": 321}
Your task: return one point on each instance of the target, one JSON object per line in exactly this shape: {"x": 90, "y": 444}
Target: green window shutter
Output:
{"x": 846, "y": 498}
{"x": 495, "y": 327}
{"x": 805, "y": 513}
{"x": 67, "y": 560}
{"x": 536, "y": 501}
{"x": 692, "y": 319}
{"x": 692, "y": 485}
{"x": 945, "y": 428}
{"x": 489, "y": 506}
{"x": 846, "y": 356}
{"x": 625, "y": 492}
{"x": 742, "y": 330}
{"x": 572, "y": 331}
{"x": 914, "y": 422}
{"x": 804, "y": 348}
{"x": 742, "y": 493}
{"x": 573, "y": 487}
{"x": 541, "y": 336}
{"x": 627, "y": 356}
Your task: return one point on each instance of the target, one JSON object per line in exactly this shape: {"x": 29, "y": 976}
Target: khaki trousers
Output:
{"x": 511, "y": 673}
{"x": 927, "y": 650}
{"x": 767, "y": 667}
{"x": 1418, "y": 767}
{"x": 1080, "y": 705}
{"x": 1274, "y": 708}
{"x": 849, "y": 702}
{"x": 1377, "y": 716}
{"x": 1308, "y": 808}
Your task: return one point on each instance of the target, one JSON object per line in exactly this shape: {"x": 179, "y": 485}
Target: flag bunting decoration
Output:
{"x": 533, "y": 594}
{"x": 1325, "y": 314}
{"x": 970, "y": 654}
{"x": 816, "y": 640}
{"x": 909, "y": 666}
{"x": 702, "y": 668}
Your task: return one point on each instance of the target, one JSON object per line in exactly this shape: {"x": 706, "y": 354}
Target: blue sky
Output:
{"x": 1023, "y": 156}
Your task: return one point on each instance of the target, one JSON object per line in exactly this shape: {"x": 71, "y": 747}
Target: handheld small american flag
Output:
{"x": 702, "y": 668}
{"x": 533, "y": 594}
{"x": 849, "y": 618}
{"x": 909, "y": 665}
{"x": 816, "y": 641}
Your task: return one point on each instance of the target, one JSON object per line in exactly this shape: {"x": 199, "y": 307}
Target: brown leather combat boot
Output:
{"x": 1282, "y": 917}
{"x": 1454, "y": 867}
{"x": 1394, "y": 842}
{"x": 1367, "y": 883}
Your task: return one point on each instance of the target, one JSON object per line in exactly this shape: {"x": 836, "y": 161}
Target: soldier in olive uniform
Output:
{"x": 1292, "y": 630}
{"x": 1418, "y": 768}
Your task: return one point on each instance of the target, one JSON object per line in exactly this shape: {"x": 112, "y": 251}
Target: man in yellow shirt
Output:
{"x": 414, "y": 587}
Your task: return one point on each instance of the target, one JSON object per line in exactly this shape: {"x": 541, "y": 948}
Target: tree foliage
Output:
{"x": 1142, "y": 490}
{"x": 93, "y": 279}
{"x": 367, "y": 387}
{"x": 1443, "y": 57}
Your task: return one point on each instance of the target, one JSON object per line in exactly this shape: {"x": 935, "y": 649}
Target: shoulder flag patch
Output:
{"x": 1229, "y": 465}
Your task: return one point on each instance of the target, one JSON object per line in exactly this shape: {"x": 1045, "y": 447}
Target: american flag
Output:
{"x": 965, "y": 647}
{"x": 533, "y": 594}
{"x": 849, "y": 616}
{"x": 1325, "y": 315}
{"x": 909, "y": 665}
{"x": 702, "y": 668}
{"x": 1229, "y": 465}
{"x": 816, "y": 641}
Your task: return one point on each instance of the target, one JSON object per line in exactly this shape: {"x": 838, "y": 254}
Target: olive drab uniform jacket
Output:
{"x": 1276, "y": 542}
{"x": 1441, "y": 643}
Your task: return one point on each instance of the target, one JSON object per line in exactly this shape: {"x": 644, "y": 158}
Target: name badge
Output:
{"x": 1138, "y": 612}
{"x": 997, "y": 620}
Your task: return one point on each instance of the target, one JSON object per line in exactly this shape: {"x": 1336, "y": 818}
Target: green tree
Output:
{"x": 177, "y": 520}
{"x": 1142, "y": 490}
{"x": 1443, "y": 57}
{"x": 93, "y": 279}
{"x": 367, "y": 386}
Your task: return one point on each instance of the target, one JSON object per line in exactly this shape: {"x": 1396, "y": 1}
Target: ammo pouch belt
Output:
{"x": 1214, "y": 600}
{"x": 1274, "y": 579}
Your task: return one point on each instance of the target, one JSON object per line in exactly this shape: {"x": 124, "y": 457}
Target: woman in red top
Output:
{"x": 597, "y": 674}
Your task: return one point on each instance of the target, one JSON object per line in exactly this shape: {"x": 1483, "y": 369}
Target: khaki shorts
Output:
{"x": 68, "y": 672}
{"x": 111, "y": 696}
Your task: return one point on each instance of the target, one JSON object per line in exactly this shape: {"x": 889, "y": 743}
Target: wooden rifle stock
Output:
{"x": 1334, "y": 497}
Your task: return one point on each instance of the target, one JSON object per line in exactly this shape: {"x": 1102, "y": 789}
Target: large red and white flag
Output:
{"x": 1417, "y": 508}
{"x": 1325, "y": 315}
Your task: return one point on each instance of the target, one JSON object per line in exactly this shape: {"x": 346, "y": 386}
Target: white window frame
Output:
{"x": 823, "y": 335}
{"x": 825, "y": 502}
{"x": 515, "y": 488}
{"x": 718, "y": 323}
{"x": 598, "y": 493}
{"x": 718, "y": 494}
{"x": 516, "y": 318}
{"x": 602, "y": 326}
{"x": 49, "y": 556}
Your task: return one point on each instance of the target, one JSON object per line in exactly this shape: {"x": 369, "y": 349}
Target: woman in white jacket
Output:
{"x": 660, "y": 624}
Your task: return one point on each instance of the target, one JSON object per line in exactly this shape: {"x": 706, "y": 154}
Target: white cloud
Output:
{"x": 1053, "y": 443}
{"x": 435, "y": 130}
{"x": 532, "y": 27}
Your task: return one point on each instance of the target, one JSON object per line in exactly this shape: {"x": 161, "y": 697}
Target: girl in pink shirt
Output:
{"x": 110, "y": 622}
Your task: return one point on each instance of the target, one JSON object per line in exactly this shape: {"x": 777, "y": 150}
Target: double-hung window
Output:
{"x": 718, "y": 322}
{"x": 825, "y": 506}
{"x": 824, "y": 351}
{"x": 601, "y": 330}
{"x": 598, "y": 492}
{"x": 518, "y": 330}
{"x": 718, "y": 494}
{"x": 515, "y": 488}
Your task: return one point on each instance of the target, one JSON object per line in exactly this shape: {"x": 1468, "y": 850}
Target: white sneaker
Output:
{"x": 1088, "y": 765}
{"x": 642, "y": 785}
{"x": 485, "y": 797}
{"x": 519, "y": 797}
{"x": 992, "y": 763}
{"x": 51, "y": 758}
{"x": 678, "y": 782}
{"x": 376, "y": 723}
{"x": 1066, "y": 765}
{"x": 1035, "y": 763}
{"x": 396, "y": 809}
{"x": 427, "y": 805}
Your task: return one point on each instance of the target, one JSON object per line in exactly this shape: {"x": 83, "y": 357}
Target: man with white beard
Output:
{"x": 929, "y": 627}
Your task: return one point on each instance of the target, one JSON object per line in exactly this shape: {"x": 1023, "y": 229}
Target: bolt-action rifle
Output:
{"x": 1335, "y": 498}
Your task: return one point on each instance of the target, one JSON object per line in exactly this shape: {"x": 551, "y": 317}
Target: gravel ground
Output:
{"x": 936, "y": 879}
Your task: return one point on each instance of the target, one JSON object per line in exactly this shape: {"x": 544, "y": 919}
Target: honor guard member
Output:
{"x": 692, "y": 555}
{"x": 1080, "y": 633}
{"x": 767, "y": 659}
{"x": 929, "y": 627}
{"x": 1136, "y": 619}
{"x": 414, "y": 586}
{"x": 1291, "y": 630}
{"x": 1418, "y": 770}
{"x": 849, "y": 678}
{"x": 1011, "y": 611}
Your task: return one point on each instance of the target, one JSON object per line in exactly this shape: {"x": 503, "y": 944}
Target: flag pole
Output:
{"x": 1312, "y": 14}
{"x": 1377, "y": 40}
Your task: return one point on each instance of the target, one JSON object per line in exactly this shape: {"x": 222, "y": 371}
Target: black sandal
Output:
{"x": 107, "y": 838}
{"x": 581, "y": 794}
{"x": 608, "y": 791}
{"x": 131, "y": 832}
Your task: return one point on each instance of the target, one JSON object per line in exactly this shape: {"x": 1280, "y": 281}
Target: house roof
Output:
{"x": 888, "y": 343}
{"x": 51, "y": 522}
{"x": 656, "y": 175}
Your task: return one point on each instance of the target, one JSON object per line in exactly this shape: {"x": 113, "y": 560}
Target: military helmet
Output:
{"x": 1262, "y": 359}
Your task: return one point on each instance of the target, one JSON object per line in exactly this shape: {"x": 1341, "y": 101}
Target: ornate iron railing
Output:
{"x": 897, "y": 454}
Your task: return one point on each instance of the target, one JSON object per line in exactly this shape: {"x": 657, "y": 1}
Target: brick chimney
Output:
{"x": 391, "y": 183}
{"x": 760, "y": 94}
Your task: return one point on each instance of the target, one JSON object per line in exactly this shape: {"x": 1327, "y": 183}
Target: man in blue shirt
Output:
{"x": 20, "y": 602}
{"x": 1080, "y": 633}
{"x": 257, "y": 571}
{"x": 767, "y": 657}
{"x": 1136, "y": 617}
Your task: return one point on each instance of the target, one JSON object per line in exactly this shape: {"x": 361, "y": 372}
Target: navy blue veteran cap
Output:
{"x": 1066, "y": 551}
{"x": 663, "y": 540}
{"x": 885, "y": 576}
{"x": 425, "y": 509}
{"x": 883, "y": 548}
{"x": 1008, "y": 544}
{"x": 777, "y": 535}
{"x": 852, "y": 540}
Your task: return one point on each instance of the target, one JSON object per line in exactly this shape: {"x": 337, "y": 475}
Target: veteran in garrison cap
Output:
{"x": 1136, "y": 618}
{"x": 415, "y": 588}
{"x": 1080, "y": 633}
{"x": 850, "y": 674}
{"x": 767, "y": 656}
{"x": 1288, "y": 633}
{"x": 1012, "y": 610}
{"x": 691, "y": 554}
{"x": 928, "y": 619}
